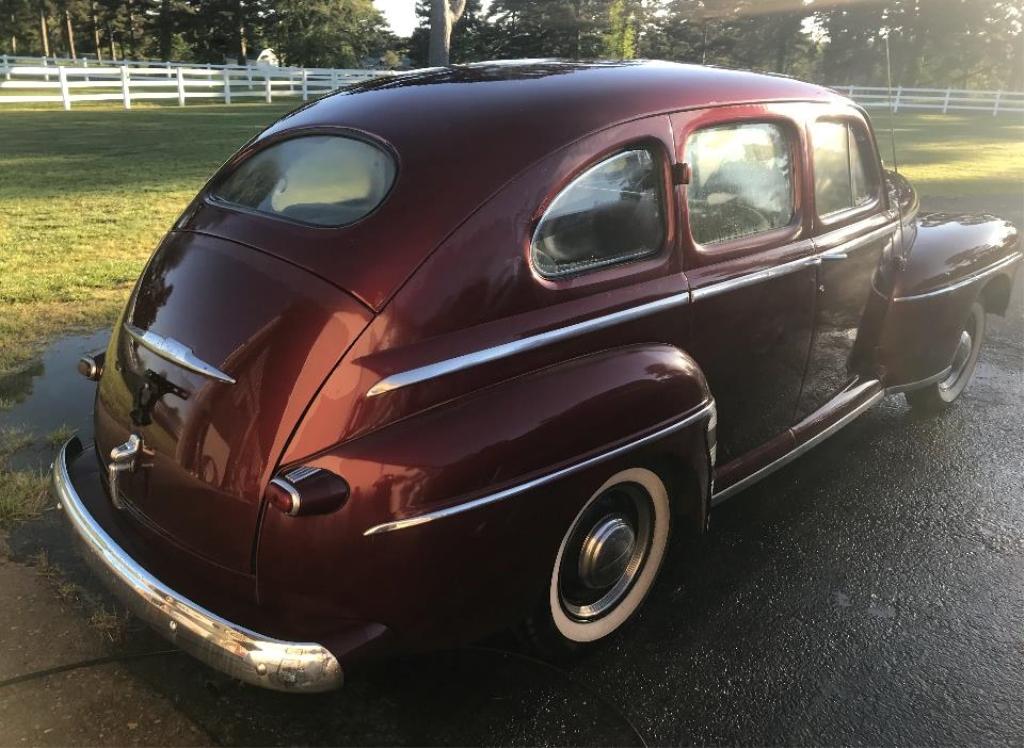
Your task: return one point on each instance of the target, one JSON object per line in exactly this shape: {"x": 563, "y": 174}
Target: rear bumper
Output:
{"x": 251, "y": 657}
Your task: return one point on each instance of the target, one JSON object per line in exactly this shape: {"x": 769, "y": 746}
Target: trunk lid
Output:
{"x": 206, "y": 305}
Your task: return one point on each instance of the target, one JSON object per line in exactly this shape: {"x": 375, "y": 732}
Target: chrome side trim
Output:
{"x": 1006, "y": 261}
{"x": 787, "y": 458}
{"x": 532, "y": 342}
{"x": 260, "y": 660}
{"x": 857, "y": 243}
{"x": 920, "y": 383}
{"x": 171, "y": 350}
{"x": 758, "y": 276}
{"x": 839, "y": 252}
{"x": 486, "y": 355}
{"x": 402, "y": 524}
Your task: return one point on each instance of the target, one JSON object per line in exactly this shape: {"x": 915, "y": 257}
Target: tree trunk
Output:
{"x": 44, "y": 32}
{"x": 14, "y": 35}
{"x": 443, "y": 16}
{"x": 165, "y": 30}
{"x": 131, "y": 28}
{"x": 69, "y": 33}
{"x": 240, "y": 25}
{"x": 110, "y": 41}
{"x": 97, "y": 44}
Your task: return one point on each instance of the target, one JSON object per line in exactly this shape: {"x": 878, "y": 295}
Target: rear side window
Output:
{"x": 325, "y": 180}
{"x": 612, "y": 213}
{"x": 844, "y": 175}
{"x": 741, "y": 181}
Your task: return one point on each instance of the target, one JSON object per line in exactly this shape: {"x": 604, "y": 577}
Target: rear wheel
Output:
{"x": 937, "y": 397}
{"x": 606, "y": 564}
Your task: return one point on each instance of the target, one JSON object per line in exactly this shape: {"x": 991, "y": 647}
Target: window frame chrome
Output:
{"x": 661, "y": 161}
{"x": 794, "y": 231}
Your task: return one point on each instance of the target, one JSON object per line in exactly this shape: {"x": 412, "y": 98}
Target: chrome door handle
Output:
{"x": 835, "y": 256}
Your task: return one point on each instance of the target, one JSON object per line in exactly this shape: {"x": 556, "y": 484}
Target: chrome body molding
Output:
{"x": 840, "y": 252}
{"x": 703, "y": 411}
{"x": 504, "y": 350}
{"x": 787, "y": 458}
{"x": 171, "y": 350}
{"x": 251, "y": 657}
{"x": 1002, "y": 264}
{"x": 920, "y": 383}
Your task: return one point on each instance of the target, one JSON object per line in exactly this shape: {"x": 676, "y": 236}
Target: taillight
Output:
{"x": 91, "y": 367}
{"x": 307, "y": 490}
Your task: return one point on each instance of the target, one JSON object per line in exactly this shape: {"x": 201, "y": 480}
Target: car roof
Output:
{"x": 589, "y": 95}
{"x": 462, "y": 133}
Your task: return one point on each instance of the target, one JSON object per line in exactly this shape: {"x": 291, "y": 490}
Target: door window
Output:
{"x": 844, "y": 175}
{"x": 741, "y": 181}
{"x": 612, "y": 213}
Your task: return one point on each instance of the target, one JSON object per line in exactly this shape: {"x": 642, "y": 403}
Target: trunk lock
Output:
{"x": 123, "y": 458}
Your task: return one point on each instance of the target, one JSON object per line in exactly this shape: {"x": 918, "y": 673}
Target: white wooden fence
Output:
{"x": 67, "y": 83}
{"x": 62, "y": 81}
{"x": 944, "y": 100}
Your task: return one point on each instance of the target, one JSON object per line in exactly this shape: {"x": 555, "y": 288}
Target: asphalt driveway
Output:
{"x": 870, "y": 593}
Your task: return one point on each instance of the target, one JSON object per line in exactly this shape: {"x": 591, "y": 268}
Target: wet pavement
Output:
{"x": 872, "y": 592}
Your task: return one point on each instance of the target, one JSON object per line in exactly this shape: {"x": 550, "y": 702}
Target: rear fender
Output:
{"x": 954, "y": 260}
{"x": 456, "y": 513}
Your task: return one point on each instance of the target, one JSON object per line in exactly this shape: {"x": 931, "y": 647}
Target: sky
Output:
{"x": 401, "y": 14}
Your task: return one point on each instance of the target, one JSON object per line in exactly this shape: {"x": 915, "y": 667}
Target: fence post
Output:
{"x": 945, "y": 101}
{"x": 899, "y": 95}
{"x": 995, "y": 109}
{"x": 7, "y": 68}
{"x": 181, "y": 86}
{"x": 65, "y": 95}
{"x": 266, "y": 87}
{"x": 46, "y": 76}
{"x": 305, "y": 84}
{"x": 334, "y": 79}
{"x": 125, "y": 91}
{"x": 227, "y": 85}
{"x": 167, "y": 64}
{"x": 248, "y": 75}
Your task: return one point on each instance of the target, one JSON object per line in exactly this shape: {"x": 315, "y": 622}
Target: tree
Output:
{"x": 443, "y": 16}
{"x": 327, "y": 33}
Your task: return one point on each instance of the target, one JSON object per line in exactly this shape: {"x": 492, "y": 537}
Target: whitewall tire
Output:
{"x": 608, "y": 560}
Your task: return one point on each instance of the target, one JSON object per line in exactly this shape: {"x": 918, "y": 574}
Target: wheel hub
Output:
{"x": 606, "y": 552}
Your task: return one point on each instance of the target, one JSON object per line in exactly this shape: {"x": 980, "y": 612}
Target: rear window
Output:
{"x": 324, "y": 180}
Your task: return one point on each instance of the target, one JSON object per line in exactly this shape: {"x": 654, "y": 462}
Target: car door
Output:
{"x": 853, "y": 241}
{"x": 749, "y": 260}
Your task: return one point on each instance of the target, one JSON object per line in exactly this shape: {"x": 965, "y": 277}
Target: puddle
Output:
{"x": 51, "y": 395}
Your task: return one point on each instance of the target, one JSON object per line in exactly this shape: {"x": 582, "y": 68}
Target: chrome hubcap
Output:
{"x": 960, "y": 359}
{"x": 605, "y": 552}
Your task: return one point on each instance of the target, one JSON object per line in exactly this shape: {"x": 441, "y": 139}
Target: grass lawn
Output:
{"x": 85, "y": 195}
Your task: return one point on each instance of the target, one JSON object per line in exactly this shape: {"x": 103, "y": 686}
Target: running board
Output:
{"x": 719, "y": 496}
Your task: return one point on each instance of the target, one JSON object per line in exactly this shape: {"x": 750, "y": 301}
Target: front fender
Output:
{"x": 541, "y": 443}
{"x": 954, "y": 260}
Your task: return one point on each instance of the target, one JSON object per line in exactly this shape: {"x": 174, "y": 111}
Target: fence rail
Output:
{"x": 31, "y": 80}
{"x": 944, "y": 100}
{"x": 129, "y": 81}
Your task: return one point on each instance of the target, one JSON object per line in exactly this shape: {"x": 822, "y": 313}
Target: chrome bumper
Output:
{"x": 232, "y": 649}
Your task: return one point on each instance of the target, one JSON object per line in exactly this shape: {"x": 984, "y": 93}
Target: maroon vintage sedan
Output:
{"x": 465, "y": 349}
